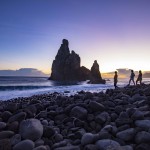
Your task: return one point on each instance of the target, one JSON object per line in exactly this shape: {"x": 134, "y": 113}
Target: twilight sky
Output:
{"x": 116, "y": 33}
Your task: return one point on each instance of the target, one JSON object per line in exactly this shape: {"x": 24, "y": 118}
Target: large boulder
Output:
{"x": 107, "y": 144}
{"x": 6, "y": 134}
{"x": 17, "y": 117}
{"x": 70, "y": 147}
{"x": 40, "y": 148}
{"x": 95, "y": 106}
{"x": 142, "y": 137}
{"x": 127, "y": 134}
{"x": 31, "y": 129}
{"x": 79, "y": 112}
{"x": 2, "y": 125}
{"x": 145, "y": 124}
{"x": 24, "y": 145}
{"x": 87, "y": 138}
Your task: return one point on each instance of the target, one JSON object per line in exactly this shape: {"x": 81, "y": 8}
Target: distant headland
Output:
{"x": 25, "y": 72}
{"x": 66, "y": 67}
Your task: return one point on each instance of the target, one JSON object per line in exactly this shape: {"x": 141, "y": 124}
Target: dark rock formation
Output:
{"x": 95, "y": 74}
{"x": 66, "y": 67}
{"x": 84, "y": 74}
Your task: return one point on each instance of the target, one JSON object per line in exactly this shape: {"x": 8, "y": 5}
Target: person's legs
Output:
{"x": 133, "y": 81}
{"x": 140, "y": 82}
{"x": 136, "y": 82}
{"x": 115, "y": 85}
{"x": 129, "y": 81}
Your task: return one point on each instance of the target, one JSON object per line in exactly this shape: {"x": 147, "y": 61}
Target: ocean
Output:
{"x": 14, "y": 87}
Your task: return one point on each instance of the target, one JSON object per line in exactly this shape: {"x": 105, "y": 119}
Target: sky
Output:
{"x": 116, "y": 33}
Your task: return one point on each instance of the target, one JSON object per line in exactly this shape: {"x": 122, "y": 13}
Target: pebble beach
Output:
{"x": 118, "y": 119}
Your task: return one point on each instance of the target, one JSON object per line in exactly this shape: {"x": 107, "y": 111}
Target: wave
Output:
{"x": 12, "y": 92}
{"x": 11, "y": 88}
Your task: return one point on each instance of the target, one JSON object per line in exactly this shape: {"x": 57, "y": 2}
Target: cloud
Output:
{"x": 23, "y": 72}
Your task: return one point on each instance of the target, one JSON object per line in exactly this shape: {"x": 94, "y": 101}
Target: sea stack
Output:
{"x": 66, "y": 67}
{"x": 95, "y": 74}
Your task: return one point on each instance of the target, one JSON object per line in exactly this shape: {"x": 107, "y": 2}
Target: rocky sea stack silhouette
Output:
{"x": 66, "y": 67}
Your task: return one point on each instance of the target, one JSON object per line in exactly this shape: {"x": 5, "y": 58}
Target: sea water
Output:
{"x": 14, "y": 87}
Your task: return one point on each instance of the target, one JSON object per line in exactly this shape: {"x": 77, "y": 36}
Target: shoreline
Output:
{"x": 16, "y": 90}
{"x": 118, "y": 119}
{"x": 67, "y": 90}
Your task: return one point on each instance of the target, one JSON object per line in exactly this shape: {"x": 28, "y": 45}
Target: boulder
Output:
{"x": 68, "y": 148}
{"x": 15, "y": 139}
{"x": 17, "y": 117}
{"x": 126, "y": 135}
{"x": 137, "y": 115}
{"x": 109, "y": 128}
{"x": 2, "y": 125}
{"x": 87, "y": 138}
{"x": 6, "y": 134}
{"x": 24, "y": 145}
{"x": 127, "y": 147}
{"x": 145, "y": 124}
{"x": 107, "y": 144}
{"x": 60, "y": 144}
{"x": 39, "y": 142}
{"x": 12, "y": 107}
{"x": 31, "y": 129}
{"x": 6, "y": 115}
{"x": 79, "y": 112}
{"x": 90, "y": 147}
{"x": 142, "y": 137}
{"x": 58, "y": 138}
{"x": 143, "y": 146}
{"x": 95, "y": 106}
{"x": 137, "y": 97}
{"x": 104, "y": 135}
{"x": 48, "y": 131}
{"x": 123, "y": 127}
{"x": 102, "y": 118}
{"x": 40, "y": 148}
{"x": 13, "y": 126}
{"x": 123, "y": 119}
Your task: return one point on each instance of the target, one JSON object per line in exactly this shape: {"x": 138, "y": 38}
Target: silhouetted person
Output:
{"x": 132, "y": 77}
{"x": 139, "y": 78}
{"x": 115, "y": 79}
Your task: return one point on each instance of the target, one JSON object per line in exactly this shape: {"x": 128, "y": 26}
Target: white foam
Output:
{"x": 69, "y": 90}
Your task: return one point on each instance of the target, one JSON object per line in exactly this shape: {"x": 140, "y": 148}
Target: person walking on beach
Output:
{"x": 132, "y": 77}
{"x": 115, "y": 79}
{"x": 139, "y": 78}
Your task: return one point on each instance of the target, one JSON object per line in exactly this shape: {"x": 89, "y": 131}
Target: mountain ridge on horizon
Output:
{"x": 28, "y": 72}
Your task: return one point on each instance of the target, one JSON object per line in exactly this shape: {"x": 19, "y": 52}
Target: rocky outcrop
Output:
{"x": 66, "y": 67}
{"x": 95, "y": 74}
